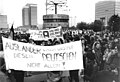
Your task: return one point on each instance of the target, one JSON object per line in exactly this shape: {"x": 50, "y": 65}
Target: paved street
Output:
{"x": 103, "y": 76}
{"x": 42, "y": 76}
{"x": 34, "y": 78}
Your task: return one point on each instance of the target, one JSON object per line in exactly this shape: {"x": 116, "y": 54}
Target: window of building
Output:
{"x": 55, "y": 20}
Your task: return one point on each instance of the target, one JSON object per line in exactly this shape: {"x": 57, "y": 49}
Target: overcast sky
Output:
{"x": 83, "y": 10}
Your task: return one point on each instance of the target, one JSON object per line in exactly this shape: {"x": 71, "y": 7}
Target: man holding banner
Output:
{"x": 14, "y": 75}
{"x": 74, "y": 75}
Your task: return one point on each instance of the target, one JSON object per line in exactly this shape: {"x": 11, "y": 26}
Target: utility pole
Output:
{"x": 106, "y": 17}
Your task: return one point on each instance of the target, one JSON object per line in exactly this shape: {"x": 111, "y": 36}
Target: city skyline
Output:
{"x": 82, "y": 10}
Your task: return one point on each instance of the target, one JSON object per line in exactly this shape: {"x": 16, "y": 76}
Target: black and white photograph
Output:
{"x": 59, "y": 40}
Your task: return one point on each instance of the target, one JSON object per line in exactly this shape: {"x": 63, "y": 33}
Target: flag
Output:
{"x": 11, "y": 35}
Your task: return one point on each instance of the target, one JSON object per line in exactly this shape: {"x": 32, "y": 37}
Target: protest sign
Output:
{"x": 45, "y": 34}
{"x": 28, "y": 57}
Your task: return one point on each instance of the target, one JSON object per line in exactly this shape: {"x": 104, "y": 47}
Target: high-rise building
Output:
{"x": 3, "y": 21}
{"x": 105, "y": 9}
{"x": 29, "y": 15}
{"x": 25, "y": 16}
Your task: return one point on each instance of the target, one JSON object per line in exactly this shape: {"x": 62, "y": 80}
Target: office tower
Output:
{"x": 29, "y": 15}
{"x": 25, "y": 16}
{"x": 105, "y": 9}
{"x": 3, "y": 21}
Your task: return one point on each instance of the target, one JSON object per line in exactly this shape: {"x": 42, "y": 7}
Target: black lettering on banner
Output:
{"x": 12, "y": 46}
{"x": 22, "y": 55}
{"x": 47, "y": 57}
{"x": 7, "y": 45}
{"x": 43, "y": 56}
{"x": 59, "y": 56}
{"x": 63, "y": 64}
{"x": 16, "y": 55}
{"x": 31, "y": 50}
{"x": 51, "y": 65}
{"x": 64, "y": 54}
{"x": 56, "y": 56}
{"x": 24, "y": 48}
{"x": 46, "y": 34}
{"x": 15, "y": 46}
{"x": 33, "y": 65}
{"x": 72, "y": 55}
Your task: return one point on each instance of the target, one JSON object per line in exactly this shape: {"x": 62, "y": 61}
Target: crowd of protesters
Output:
{"x": 100, "y": 55}
{"x": 100, "y": 52}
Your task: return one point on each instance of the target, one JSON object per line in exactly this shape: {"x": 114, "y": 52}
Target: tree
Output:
{"x": 91, "y": 25}
{"x": 114, "y": 23}
{"x": 98, "y": 25}
{"x": 82, "y": 26}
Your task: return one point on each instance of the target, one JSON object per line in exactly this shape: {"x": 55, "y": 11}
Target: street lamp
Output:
{"x": 106, "y": 17}
{"x": 112, "y": 26}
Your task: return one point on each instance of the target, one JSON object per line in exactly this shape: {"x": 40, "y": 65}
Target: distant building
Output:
{"x": 25, "y": 16}
{"x": 3, "y": 21}
{"x": 105, "y": 9}
{"x": 29, "y": 15}
{"x": 55, "y": 20}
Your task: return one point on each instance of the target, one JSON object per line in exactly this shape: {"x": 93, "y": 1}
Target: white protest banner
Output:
{"x": 45, "y": 34}
{"x": 28, "y": 57}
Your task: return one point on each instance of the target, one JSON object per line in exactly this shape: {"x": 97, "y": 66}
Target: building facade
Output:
{"x": 3, "y": 21}
{"x": 55, "y": 20}
{"x": 25, "y": 16}
{"x": 105, "y": 9}
{"x": 29, "y": 15}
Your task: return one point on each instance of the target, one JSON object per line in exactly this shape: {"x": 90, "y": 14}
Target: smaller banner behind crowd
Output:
{"x": 45, "y": 34}
{"x": 28, "y": 57}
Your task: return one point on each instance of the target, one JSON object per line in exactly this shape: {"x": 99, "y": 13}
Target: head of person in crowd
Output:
{"x": 111, "y": 45}
{"x": 66, "y": 40}
{"x": 54, "y": 40}
{"x": 92, "y": 39}
{"x": 49, "y": 42}
{"x": 43, "y": 43}
{"x": 61, "y": 40}
{"x": 116, "y": 40}
{"x": 76, "y": 38}
{"x": 56, "y": 43}
{"x": 17, "y": 39}
{"x": 97, "y": 45}
{"x": 31, "y": 41}
{"x": 83, "y": 40}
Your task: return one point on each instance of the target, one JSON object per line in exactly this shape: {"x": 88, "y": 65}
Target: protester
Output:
{"x": 74, "y": 76}
{"x": 17, "y": 75}
{"x": 100, "y": 50}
